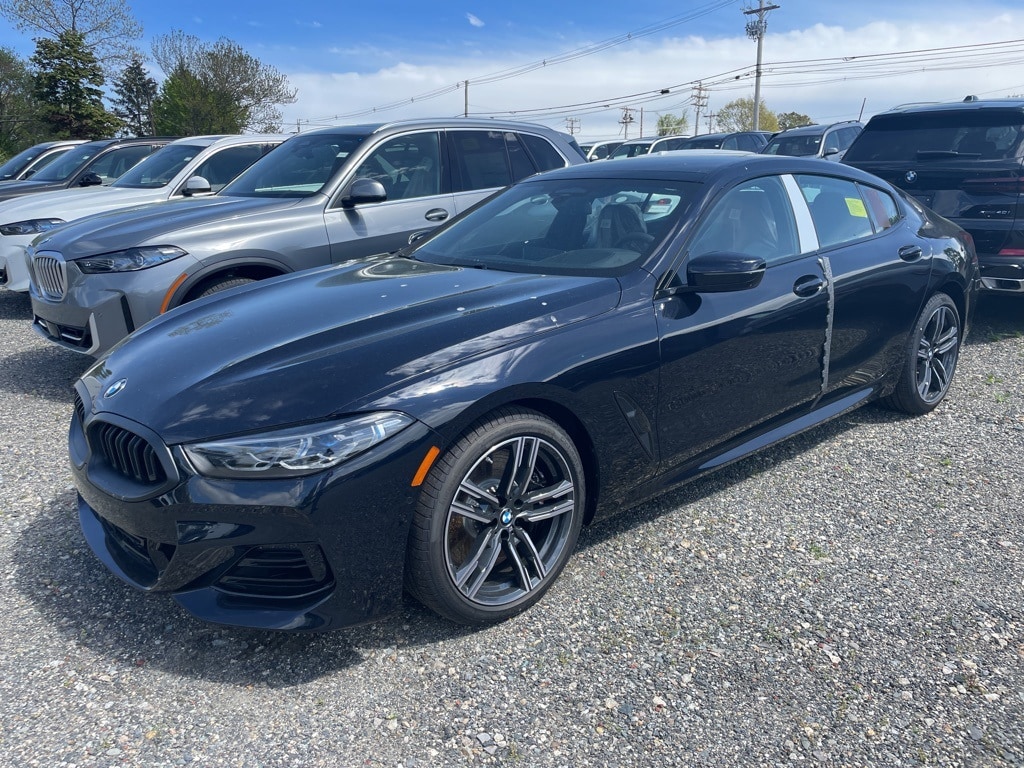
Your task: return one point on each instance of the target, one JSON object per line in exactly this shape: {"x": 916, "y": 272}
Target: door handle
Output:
{"x": 436, "y": 214}
{"x": 910, "y": 252}
{"x": 808, "y": 285}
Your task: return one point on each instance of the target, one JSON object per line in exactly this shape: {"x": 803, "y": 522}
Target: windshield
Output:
{"x": 16, "y": 164}
{"x": 979, "y": 135}
{"x": 564, "y": 227}
{"x": 65, "y": 166}
{"x": 300, "y": 167}
{"x": 158, "y": 169}
{"x": 805, "y": 145}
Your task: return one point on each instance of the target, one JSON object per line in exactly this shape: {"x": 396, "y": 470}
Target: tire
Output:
{"x": 931, "y": 357}
{"x": 487, "y": 541}
{"x": 219, "y": 285}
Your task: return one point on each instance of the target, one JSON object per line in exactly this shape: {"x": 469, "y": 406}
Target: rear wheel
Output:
{"x": 497, "y": 519}
{"x": 932, "y": 353}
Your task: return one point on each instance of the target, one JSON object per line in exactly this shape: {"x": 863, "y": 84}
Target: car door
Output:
{"x": 735, "y": 362}
{"x": 413, "y": 170}
{"x": 879, "y": 275}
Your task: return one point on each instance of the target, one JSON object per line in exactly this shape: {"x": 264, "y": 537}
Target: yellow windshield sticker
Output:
{"x": 856, "y": 207}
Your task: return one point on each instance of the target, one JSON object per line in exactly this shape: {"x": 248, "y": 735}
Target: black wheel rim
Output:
{"x": 937, "y": 354}
{"x": 510, "y": 521}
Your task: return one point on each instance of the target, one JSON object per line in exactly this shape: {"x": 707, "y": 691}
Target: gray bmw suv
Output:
{"x": 327, "y": 196}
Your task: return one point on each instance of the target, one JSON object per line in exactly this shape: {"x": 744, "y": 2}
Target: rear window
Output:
{"x": 975, "y": 134}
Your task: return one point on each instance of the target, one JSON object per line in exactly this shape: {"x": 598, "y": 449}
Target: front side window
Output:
{"x": 564, "y": 227}
{"x": 225, "y": 164}
{"x": 837, "y": 209}
{"x": 407, "y": 166}
{"x": 158, "y": 169}
{"x": 754, "y": 218}
{"x": 300, "y": 167}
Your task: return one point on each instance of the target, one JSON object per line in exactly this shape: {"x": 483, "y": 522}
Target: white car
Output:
{"x": 183, "y": 168}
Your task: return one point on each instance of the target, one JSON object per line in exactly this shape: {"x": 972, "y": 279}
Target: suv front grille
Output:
{"x": 128, "y": 454}
{"x": 51, "y": 277}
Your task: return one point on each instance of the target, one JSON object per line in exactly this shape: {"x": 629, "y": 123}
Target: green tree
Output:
{"x": 673, "y": 125}
{"x": 215, "y": 88}
{"x": 107, "y": 27}
{"x": 68, "y": 82}
{"x": 134, "y": 92}
{"x": 738, "y": 115}
{"x": 792, "y": 120}
{"x": 18, "y": 125}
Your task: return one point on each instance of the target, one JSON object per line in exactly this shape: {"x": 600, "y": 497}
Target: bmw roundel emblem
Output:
{"x": 116, "y": 387}
{"x": 911, "y": 177}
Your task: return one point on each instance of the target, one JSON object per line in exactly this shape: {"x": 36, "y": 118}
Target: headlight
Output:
{"x": 297, "y": 451}
{"x": 30, "y": 226}
{"x": 130, "y": 260}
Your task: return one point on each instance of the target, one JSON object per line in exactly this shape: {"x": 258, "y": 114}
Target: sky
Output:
{"x": 576, "y": 66}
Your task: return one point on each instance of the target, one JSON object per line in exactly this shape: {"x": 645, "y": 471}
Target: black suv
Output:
{"x": 965, "y": 161}
{"x": 91, "y": 164}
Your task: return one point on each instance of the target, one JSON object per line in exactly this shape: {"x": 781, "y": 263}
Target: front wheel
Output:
{"x": 497, "y": 519}
{"x": 932, "y": 353}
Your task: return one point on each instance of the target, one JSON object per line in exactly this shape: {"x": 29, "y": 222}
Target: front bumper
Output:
{"x": 14, "y": 271}
{"x": 96, "y": 311}
{"x": 313, "y": 553}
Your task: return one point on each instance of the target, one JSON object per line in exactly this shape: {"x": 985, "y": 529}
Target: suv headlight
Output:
{"x": 130, "y": 260}
{"x": 296, "y": 451}
{"x": 30, "y": 226}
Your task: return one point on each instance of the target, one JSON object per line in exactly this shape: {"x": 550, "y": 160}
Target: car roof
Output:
{"x": 814, "y": 128}
{"x": 971, "y": 103}
{"x": 704, "y": 164}
{"x": 436, "y": 122}
{"x": 207, "y": 141}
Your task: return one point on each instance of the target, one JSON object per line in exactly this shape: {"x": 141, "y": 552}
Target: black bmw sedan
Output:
{"x": 290, "y": 455}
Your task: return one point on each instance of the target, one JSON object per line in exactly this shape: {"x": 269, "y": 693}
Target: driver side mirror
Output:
{"x": 364, "y": 191}
{"x": 721, "y": 273}
{"x": 90, "y": 180}
{"x": 196, "y": 185}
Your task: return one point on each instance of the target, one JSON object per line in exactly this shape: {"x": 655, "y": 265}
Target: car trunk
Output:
{"x": 965, "y": 166}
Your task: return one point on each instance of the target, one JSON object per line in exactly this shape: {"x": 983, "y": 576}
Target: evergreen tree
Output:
{"x": 134, "y": 93}
{"x": 18, "y": 125}
{"x": 68, "y": 80}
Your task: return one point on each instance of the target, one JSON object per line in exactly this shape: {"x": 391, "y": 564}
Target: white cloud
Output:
{"x": 645, "y": 66}
{"x": 474, "y": 20}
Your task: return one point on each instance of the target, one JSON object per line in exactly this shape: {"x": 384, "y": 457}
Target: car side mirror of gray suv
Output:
{"x": 90, "y": 180}
{"x": 196, "y": 185}
{"x": 364, "y": 191}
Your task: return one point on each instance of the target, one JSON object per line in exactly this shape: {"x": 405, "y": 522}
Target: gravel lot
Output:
{"x": 854, "y": 597}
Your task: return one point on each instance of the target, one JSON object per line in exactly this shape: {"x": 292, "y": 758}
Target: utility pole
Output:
{"x": 627, "y": 118}
{"x": 465, "y": 99}
{"x": 711, "y": 121}
{"x": 755, "y": 31}
{"x": 700, "y": 102}
{"x": 572, "y": 124}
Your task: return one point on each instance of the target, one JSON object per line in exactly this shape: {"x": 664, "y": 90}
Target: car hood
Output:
{"x": 311, "y": 345}
{"x": 157, "y": 224}
{"x": 71, "y": 204}
{"x": 10, "y": 189}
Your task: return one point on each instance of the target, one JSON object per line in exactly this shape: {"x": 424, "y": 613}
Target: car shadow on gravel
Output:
{"x": 997, "y": 318}
{"x": 15, "y": 306}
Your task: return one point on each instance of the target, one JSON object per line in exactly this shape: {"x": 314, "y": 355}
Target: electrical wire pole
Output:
{"x": 700, "y": 102}
{"x": 755, "y": 31}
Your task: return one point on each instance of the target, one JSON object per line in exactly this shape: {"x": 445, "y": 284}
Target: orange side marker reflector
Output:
{"x": 425, "y": 465}
{"x": 174, "y": 286}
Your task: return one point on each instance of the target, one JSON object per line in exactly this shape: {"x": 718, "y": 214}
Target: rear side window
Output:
{"x": 546, "y": 157}
{"x": 487, "y": 159}
{"x": 837, "y": 209}
{"x": 991, "y": 134}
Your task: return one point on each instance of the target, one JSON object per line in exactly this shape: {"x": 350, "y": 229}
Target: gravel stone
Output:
{"x": 853, "y": 597}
